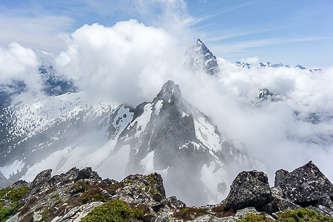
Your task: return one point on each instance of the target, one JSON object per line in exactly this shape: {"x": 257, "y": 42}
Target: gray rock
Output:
{"x": 20, "y": 183}
{"x": 307, "y": 186}
{"x": 249, "y": 189}
{"x": 64, "y": 178}
{"x": 77, "y": 213}
{"x": 87, "y": 173}
{"x": 163, "y": 217}
{"x": 41, "y": 178}
{"x": 279, "y": 175}
{"x": 174, "y": 203}
{"x": 240, "y": 214}
{"x": 40, "y": 182}
{"x": 225, "y": 219}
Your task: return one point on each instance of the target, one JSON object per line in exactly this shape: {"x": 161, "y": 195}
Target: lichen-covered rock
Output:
{"x": 20, "y": 183}
{"x": 87, "y": 173}
{"x": 278, "y": 203}
{"x": 77, "y": 213}
{"x": 249, "y": 189}
{"x": 42, "y": 178}
{"x": 64, "y": 178}
{"x": 279, "y": 175}
{"x": 307, "y": 186}
{"x": 174, "y": 203}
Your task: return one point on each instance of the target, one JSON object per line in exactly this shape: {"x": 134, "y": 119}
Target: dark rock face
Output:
{"x": 306, "y": 186}
{"x": 41, "y": 178}
{"x": 265, "y": 94}
{"x": 249, "y": 189}
{"x": 279, "y": 175}
{"x": 87, "y": 173}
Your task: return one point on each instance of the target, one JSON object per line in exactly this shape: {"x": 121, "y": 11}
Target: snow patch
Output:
{"x": 148, "y": 163}
{"x": 205, "y": 132}
{"x": 143, "y": 120}
{"x": 158, "y": 106}
{"x": 185, "y": 115}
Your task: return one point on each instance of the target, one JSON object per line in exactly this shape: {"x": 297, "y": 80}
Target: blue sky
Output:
{"x": 285, "y": 31}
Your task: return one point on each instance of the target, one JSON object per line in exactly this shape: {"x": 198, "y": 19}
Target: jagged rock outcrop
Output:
{"x": 249, "y": 189}
{"x": 306, "y": 186}
{"x": 77, "y": 194}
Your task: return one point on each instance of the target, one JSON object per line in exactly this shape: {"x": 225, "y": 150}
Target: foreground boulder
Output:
{"x": 249, "y": 189}
{"x": 306, "y": 186}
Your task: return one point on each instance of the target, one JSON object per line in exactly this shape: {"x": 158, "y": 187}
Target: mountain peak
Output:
{"x": 199, "y": 42}
{"x": 169, "y": 92}
{"x": 199, "y": 57}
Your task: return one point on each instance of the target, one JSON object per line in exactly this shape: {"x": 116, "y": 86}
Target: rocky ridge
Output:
{"x": 79, "y": 194}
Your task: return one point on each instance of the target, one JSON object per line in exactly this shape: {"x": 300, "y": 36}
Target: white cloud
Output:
{"x": 127, "y": 62}
{"x": 20, "y": 64}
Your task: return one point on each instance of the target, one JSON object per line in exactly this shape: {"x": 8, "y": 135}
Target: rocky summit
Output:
{"x": 82, "y": 195}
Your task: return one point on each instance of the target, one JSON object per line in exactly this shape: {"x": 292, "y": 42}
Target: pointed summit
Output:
{"x": 199, "y": 42}
{"x": 199, "y": 57}
{"x": 170, "y": 92}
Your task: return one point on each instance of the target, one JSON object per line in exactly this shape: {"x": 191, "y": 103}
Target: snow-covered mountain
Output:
{"x": 167, "y": 135}
{"x": 199, "y": 58}
{"x": 53, "y": 84}
{"x": 258, "y": 65}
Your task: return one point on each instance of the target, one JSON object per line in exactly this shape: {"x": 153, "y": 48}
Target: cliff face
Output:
{"x": 83, "y": 195}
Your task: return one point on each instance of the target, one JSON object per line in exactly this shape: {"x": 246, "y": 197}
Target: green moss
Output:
{"x": 57, "y": 202}
{"x": 6, "y": 213}
{"x": 56, "y": 196}
{"x": 79, "y": 186}
{"x": 45, "y": 214}
{"x": 255, "y": 217}
{"x": 129, "y": 181}
{"x": 113, "y": 210}
{"x": 93, "y": 194}
{"x": 13, "y": 195}
{"x": 303, "y": 214}
{"x": 189, "y": 213}
{"x": 299, "y": 215}
{"x": 150, "y": 177}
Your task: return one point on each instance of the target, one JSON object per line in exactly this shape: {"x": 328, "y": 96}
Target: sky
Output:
{"x": 124, "y": 51}
{"x": 288, "y": 32}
